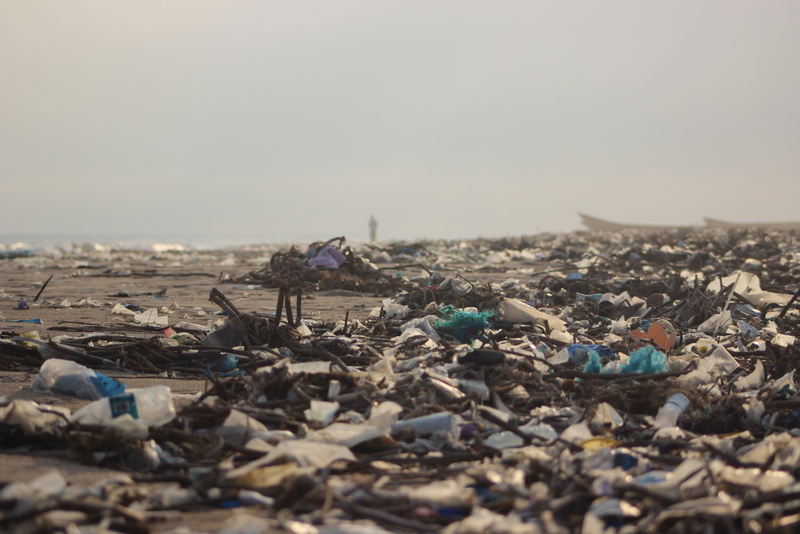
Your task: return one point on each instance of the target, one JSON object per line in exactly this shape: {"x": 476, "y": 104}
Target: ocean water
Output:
{"x": 39, "y": 244}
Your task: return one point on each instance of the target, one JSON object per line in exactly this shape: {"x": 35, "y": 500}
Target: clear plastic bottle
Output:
{"x": 668, "y": 414}
{"x": 153, "y": 406}
{"x": 429, "y": 424}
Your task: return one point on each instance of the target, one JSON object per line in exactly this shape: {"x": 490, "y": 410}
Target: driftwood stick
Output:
{"x": 340, "y": 239}
{"x": 51, "y": 277}
{"x": 76, "y": 355}
{"x": 489, "y": 416}
{"x": 386, "y": 517}
{"x": 278, "y": 312}
{"x": 405, "y": 266}
{"x": 218, "y": 298}
{"x": 324, "y": 354}
{"x": 567, "y": 373}
{"x": 298, "y": 307}
{"x": 288, "y": 302}
{"x": 279, "y": 307}
{"x": 780, "y": 316}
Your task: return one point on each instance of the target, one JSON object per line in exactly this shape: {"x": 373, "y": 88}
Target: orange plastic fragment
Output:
{"x": 657, "y": 335}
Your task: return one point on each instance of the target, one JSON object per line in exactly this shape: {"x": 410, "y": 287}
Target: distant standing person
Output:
{"x": 373, "y": 228}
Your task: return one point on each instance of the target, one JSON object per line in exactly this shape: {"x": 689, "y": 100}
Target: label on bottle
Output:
{"x": 122, "y": 404}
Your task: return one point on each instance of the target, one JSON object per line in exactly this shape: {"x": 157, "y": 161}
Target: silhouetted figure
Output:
{"x": 373, "y": 229}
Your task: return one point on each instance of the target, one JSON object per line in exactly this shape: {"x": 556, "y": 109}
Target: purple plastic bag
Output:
{"x": 329, "y": 257}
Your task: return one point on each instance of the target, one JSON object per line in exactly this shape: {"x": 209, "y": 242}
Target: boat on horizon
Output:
{"x": 595, "y": 223}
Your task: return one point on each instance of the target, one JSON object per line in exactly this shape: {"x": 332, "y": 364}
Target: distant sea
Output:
{"x": 54, "y": 243}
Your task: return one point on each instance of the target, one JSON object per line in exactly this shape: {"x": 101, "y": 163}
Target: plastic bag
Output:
{"x": 65, "y": 376}
{"x": 329, "y": 257}
{"x": 644, "y": 361}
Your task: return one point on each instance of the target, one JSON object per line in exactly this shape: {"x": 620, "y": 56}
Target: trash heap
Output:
{"x": 324, "y": 267}
{"x": 641, "y": 383}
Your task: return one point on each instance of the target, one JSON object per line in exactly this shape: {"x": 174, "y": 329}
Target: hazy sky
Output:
{"x": 443, "y": 119}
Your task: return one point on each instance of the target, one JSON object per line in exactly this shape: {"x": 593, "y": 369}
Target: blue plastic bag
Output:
{"x": 646, "y": 360}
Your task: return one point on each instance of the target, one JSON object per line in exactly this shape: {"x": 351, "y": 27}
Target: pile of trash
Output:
{"x": 638, "y": 384}
{"x": 325, "y": 267}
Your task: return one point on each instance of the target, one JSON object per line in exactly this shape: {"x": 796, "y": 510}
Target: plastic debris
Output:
{"x": 322, "y": 412}
{"x": 669, "y": 413}
{"x": 428, "y": 424}
{"x": 645, "y": 360}
{"x": 29, "y": 321}
{"x": 151, "y": 317}
{"x": 152, "y": 406}
{"x": 657, "y": 335}
{"x": 68, "y": 377}
{"x": 580, "y": 383}
{"x": 464, "y": 325}
{"x": 514, "y": 311}
{"x": 329, "y": 257}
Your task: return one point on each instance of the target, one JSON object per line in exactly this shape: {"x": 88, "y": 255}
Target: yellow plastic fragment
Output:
{"x": 266, "y": 477}
{"x": 595, "y": 444}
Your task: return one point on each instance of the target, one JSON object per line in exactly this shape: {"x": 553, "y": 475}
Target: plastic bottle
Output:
{"x": 429, "y": 424}
{"x": 153, "y": 406}
{"x": 668, "y": 414}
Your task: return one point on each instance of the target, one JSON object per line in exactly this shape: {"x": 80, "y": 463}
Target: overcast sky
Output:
{"x": 443, "y": 119}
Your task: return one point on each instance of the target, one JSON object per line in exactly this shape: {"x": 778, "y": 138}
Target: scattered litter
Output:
{"x": 599, "y": 383}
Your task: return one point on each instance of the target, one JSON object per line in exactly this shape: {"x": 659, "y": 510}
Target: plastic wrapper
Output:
{"x": 350, "y": 435}
{"x": 25, "y": 496}
{"x": 31, "y": 417}
{"x": 515, "y": 311}
{"x": 322, "y": 412}
{"x": 239, "y": 428}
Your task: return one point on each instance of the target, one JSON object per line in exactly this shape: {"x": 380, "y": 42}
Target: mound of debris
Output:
{"x": 633, "y": 384}
{"x": 324, "y": 267}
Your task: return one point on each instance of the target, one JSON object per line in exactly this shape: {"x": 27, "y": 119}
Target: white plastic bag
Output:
{"x": 65, "y": 376}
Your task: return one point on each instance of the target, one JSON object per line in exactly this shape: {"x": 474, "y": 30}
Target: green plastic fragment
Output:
{"x": 463, "y": 325}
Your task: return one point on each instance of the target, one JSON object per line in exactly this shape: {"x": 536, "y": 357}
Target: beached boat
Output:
{"x": 716, "y": 223}
{"x": 593, "y": 223}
